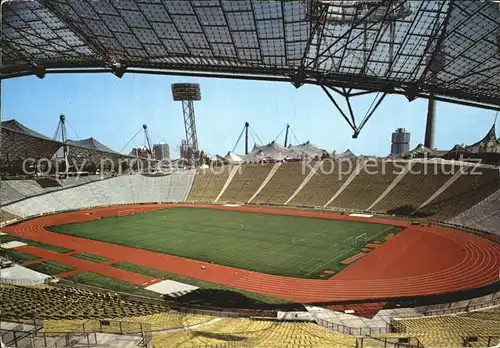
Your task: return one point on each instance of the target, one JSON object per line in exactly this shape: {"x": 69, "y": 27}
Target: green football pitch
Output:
{"x": 274, "y": 244}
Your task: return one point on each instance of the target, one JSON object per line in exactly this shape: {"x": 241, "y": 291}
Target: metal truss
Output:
{"x": 351, "y": 120}
{"x": 21, "y": 144}
{"x": 190, "y": 125}
{"x": 388, "y": 46}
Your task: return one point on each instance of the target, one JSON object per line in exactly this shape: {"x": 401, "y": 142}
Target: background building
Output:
{"x": 161, "y": 151}
{"x": 140, "y": 151}
{"x": 400, "y": 142}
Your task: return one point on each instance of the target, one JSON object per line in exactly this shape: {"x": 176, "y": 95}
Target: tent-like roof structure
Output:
{"x": 308, "y": 150}
{"x": 456, "y": 151}
{"x": 90, "y": 144}
{"x": 15, "y": 126}
{"x": 489, "y": 144}
{"x": 445, "y": 48}
{"x": 233, "y": 158}
{"x": 347, "y": 154}
{"x": 91, "y": 150}
{"x": 271, "y": 152}
{"x": 20, "y": 142}
{"x": 421, "y": 151}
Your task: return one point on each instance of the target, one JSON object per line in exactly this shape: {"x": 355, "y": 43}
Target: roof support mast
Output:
{"x": 62, "y": 136}
{"x": 246, "y": 137}
{"x": 244, "y": 130}
{"x": 286, "y": 134}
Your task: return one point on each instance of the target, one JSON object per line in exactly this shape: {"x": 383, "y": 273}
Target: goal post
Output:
{"x": 349, "y": 241}
{"x": 360, "y": 239}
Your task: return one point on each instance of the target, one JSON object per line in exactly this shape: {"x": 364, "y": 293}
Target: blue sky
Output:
{"x": 112, "y": 110}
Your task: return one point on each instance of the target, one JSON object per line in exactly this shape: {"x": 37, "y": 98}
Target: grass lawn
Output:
{"x": 154, "y": 273}
{"x": 50, "y": 267}
{"x": 94, "y": 279}
{"x": 275, "y": 244}
{"x": 17, "y": 256}
{"x": 90, "y": 257}
{"x": 56, "y": 249}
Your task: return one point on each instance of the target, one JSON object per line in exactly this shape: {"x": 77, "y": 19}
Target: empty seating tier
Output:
{"x": 157, "y": 321}
{"x": 118, "y": 190}
{"x": 368, "y": 185}
{"x": 324, "y": 183}
{"x": 418, "y": 185}
{"x": 474, "y": 185}
{"x": 245, "y": 183}
{"x": 483, "y": 216}
{"x": 449, "y": 331}
{"x": 255, "y": 333}
{"x": 283, "y": 184}
{"x": 208, "y": 183}
{"x": 66, "y": 303}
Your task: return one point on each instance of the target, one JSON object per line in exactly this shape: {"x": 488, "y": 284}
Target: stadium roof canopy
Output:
{"x": 448, "y": 49}
{"x": 20, "y": 143}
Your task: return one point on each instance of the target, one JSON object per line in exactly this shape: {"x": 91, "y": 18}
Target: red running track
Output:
{"x": 417, "y": 261}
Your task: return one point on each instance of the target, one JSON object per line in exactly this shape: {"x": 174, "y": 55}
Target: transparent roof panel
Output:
{"x": 444, "y": 47}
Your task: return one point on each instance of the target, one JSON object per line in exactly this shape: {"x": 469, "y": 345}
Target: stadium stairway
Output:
{"x": 324, "y": 183}
{"x": 283, "y": 184}
{"x": 208, "y": 184}
{"x": 366, "y": 187}
{"x": 472, "y": 187}
{"x": 413, "y": 189}
{"x": 269, "y": 177}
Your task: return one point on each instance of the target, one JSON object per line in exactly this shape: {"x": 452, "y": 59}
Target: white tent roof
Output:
{"x": 233, "y": 158}
{"x": 270, "y": 152}
{"x": 308, "y": 150}
{"x": 347, "y": 154}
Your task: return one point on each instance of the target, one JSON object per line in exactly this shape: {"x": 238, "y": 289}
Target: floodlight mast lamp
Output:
{"x": 187, "y": 93}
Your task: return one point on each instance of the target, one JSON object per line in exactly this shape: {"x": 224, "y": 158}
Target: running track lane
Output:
{"x": 418, "y": 261}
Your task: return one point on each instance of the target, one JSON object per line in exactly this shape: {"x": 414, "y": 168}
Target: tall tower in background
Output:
{"x": 187, "y": 93}
{"x": 400, "y": 142}
{"x": 161, "y": 151}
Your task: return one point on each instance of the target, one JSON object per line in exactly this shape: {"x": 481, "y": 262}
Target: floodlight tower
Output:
{"x": 188, "y": 93}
